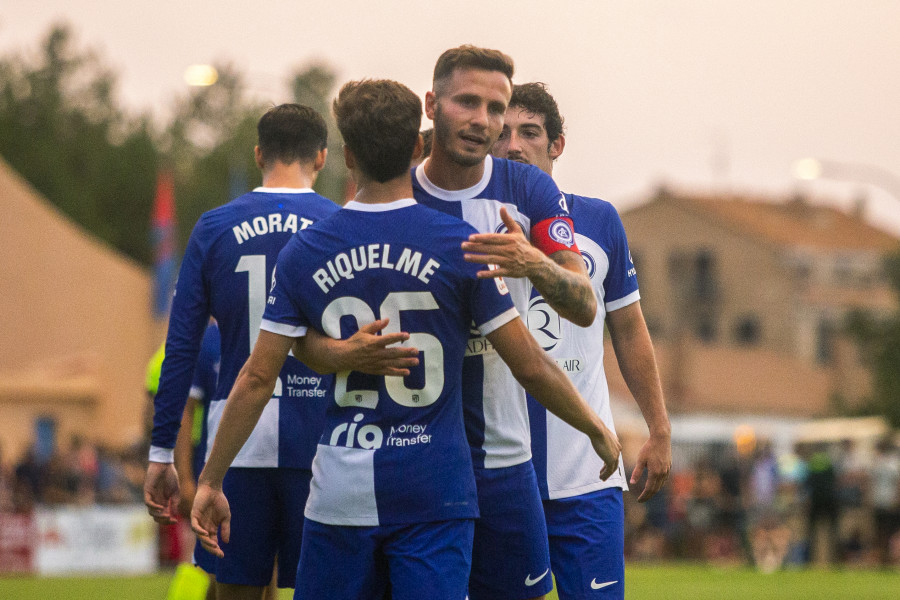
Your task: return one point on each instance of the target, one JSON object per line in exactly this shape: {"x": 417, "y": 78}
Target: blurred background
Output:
{"x": 751, "y": 148}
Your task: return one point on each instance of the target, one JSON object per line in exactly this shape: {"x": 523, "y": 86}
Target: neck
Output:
{"x": 296, "y": 175}
{"x": 373, "y": 192}
{"x": 448, "y": 174}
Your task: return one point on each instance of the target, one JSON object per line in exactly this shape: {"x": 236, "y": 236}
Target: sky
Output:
{"x": 699, "y": 95}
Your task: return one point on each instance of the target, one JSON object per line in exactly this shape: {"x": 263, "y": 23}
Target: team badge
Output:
{"x": 561, "y": 233}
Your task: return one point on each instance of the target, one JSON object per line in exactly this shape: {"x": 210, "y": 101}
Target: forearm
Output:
{"x": 321, "y": 353}
{"x": 565, "y": 287}
{"x": 243, "y": 408}
{"x": 184, "y": 447}
{"x": 637, "y": 362}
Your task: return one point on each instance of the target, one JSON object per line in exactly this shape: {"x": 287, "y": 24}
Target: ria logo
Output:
{"x": 544, "y": 323}
{"x": 368, "y": 437}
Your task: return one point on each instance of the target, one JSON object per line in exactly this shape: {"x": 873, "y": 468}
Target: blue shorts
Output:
{"x": 510, "y": 556}
{"x": 419, "y": 560}
{"x": 204, "y": 559}
{"x": 266, "y": 520}
{"x": 587, "y": 545}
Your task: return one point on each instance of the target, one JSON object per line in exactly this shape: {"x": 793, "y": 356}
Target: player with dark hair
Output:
{"x": 225, "y": 273}
{"x": 393, "y": 495}
{"x": 526, "y": 231}
{"x": 585, "y": 519}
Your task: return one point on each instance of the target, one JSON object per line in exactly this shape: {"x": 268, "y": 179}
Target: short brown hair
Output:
{"x": 471, "y": 57}
{"x": 379, "y": 120}
{"x": 534, "y": 98}
{"x": 291, "y": 132}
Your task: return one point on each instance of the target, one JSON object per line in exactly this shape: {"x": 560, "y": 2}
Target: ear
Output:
{"x": 430, "y": 103}
{"x": 319, "y": 163}
{"x": 349, "y": 159}
{"x": 557, "y": 147}
{"x": 257, "y": 154}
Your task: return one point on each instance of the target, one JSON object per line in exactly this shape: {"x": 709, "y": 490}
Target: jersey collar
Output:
{"x": 268, "y": 190}
{"x": 455, "y": 195}
{"x": 383, "y": 207}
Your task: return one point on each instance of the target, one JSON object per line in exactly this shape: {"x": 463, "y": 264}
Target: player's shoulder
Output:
{"x": 515, "y": 172}
{"x": 596, "y": 211}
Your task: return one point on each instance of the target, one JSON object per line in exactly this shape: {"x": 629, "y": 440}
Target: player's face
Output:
{"x": 468, "y": 113}
{"x": 524, "y": 139}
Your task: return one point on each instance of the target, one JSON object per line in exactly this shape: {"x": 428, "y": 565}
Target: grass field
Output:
{"x": 667, "y": 582}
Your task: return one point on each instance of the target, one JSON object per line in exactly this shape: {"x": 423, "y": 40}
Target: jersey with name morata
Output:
{"x": 494, "y": 402}
{"x": 225, "y": 273}
{"x": 394, "y": 449}
{"x": 564, "y": 461}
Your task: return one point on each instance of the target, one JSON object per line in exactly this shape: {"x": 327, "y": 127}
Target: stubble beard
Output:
{"x": 443, "y": 134}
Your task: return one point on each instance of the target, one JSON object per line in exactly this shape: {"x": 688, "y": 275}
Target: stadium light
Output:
{"x": 810, "y": 169}
{"x": 201, "y": 75}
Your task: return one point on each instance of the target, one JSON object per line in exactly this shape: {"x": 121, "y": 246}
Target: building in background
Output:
{"x": 76, "y": 329}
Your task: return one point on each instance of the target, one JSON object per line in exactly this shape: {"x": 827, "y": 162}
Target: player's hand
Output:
{"x": 511, "y": 252}
{"x": 370, "y": 353}
{"x": 161, "y": 492}
{"x": 656, "y": 457}
{"x": 607, "y": 447}
{"x": 188, "y": 491}
{"x": 209, "y": 513}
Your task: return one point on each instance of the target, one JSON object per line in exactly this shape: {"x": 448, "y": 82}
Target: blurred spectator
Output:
{"x": 885, "y": 499}
{"x": 822, "y": 506}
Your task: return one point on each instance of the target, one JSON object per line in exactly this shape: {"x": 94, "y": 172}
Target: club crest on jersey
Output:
{"x": 561, "y": 233}
{"x": 589, "y": 263}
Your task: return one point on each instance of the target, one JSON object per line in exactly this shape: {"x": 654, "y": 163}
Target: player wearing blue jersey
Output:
{"x": 393, "y": 494}
{"x": 190, "y": 446}
{"x": 225, "y": 272}
{"x": 471, "y": 90}
{"x": 585, "y": 520}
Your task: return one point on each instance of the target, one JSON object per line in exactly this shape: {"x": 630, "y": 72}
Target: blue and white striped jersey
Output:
{"x": 565, "y": 462}
{"x": 393, "y": 449}
{"x": 494, "y": 402}
{"x": 225, "y": 273}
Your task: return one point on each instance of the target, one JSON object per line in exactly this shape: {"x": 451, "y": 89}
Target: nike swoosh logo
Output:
{"x": 530, "y": 582}
{"x": 600, "y": 586}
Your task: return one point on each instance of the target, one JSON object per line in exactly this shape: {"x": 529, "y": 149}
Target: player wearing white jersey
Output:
{"x": 585, "y": 520}
{"x": 393, "y": 493}
{"x": 526, "y": 231}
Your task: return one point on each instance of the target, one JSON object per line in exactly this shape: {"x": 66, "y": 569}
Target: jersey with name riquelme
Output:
{"x": 394, "y": 449}
{"x": 494, "y": 403}
{"x": 225, "y": 273}
{"x": 564, "y": 461}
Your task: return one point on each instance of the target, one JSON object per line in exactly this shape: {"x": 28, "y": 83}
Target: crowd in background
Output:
{"x": 81, "y": 473}
{"x": 817, "y": 504}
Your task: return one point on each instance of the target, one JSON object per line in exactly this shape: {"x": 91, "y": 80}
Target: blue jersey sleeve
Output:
{"x": 544, "y": 200}
{"x": 620, "y": 283}
{"x": 187, "y": 322}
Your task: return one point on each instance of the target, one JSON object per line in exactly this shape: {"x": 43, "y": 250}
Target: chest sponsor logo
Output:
{"x": 570, "y": 365}
{"x": 544, "y": 323}
{"x": 478, "y": 346}
{"x": 302, "y": 386}
{"x": 371, "y": 436}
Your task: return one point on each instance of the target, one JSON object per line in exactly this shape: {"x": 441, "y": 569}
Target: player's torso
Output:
{"x": 494, "y": 403}
{"x": 564, "y": 460}
{"x": 247, "y": 235}
{"x": 393, "y": 449}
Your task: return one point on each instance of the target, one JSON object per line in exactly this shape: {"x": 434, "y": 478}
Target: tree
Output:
{"x": 62, "y": 129}
{"x": 879, "y": 342}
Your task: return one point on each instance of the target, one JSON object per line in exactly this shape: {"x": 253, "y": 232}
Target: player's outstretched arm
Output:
{"x": 251, "y": 392}
{"x": 542, "y": 378}
{"x": 366, "y": 351}
{"x": 560, "y": 278}
{"x": 634, "y": 351}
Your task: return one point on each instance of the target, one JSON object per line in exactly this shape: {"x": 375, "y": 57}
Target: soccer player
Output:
{"x": 585, "y": 519}
{"x": 471, "y": 91}
{"x": 225, "y": 273}
{"x": 393, "y": 493}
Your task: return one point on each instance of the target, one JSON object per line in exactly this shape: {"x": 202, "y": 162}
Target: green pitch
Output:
{"x": 669, "y": 582}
